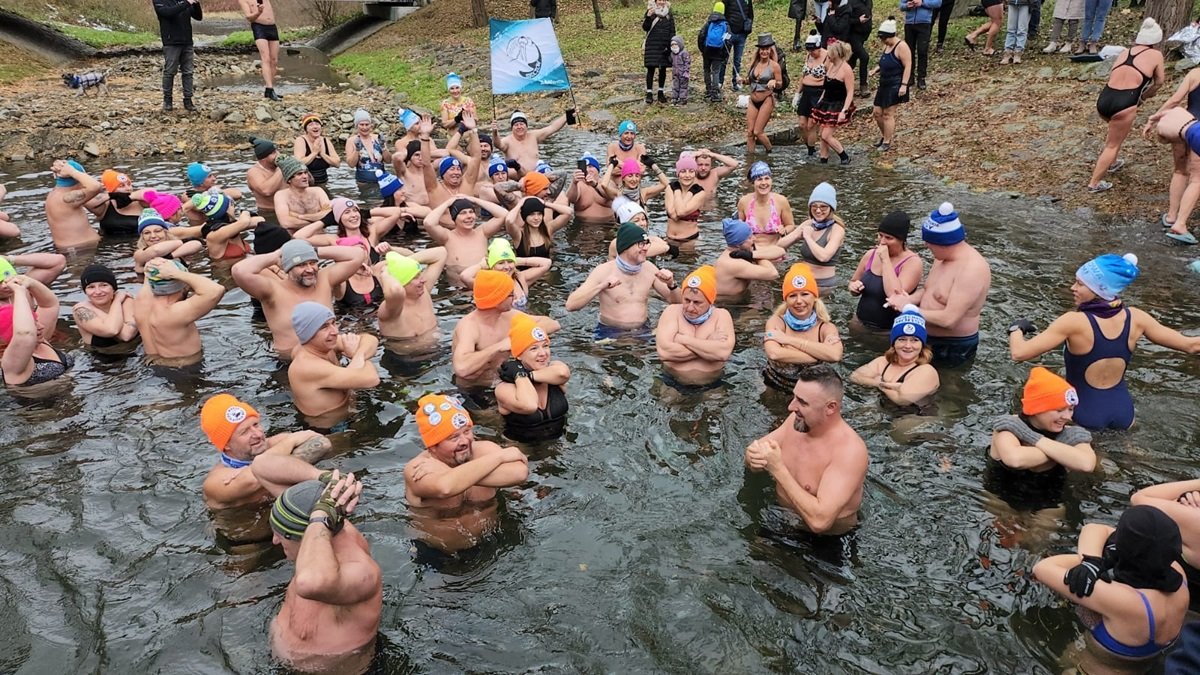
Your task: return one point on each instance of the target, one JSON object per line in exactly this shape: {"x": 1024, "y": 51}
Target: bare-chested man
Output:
{"x": 298, "y": 204}
{"x": 590, "y": 202}
{"x": 480, "y": 342}
{"x": 304, "y": 281}
{"x": 65, "y": 213}
{"x": 695, "y": 338}
{"x": 624, "y": 284}
{"x": 708, "y": 176}
{"x": 521, "y": 144}
{"x": 743, "y": 261}
{"x": 321, "y": 385}
{"x": 451, "y": 486}
{"x": 166, "y": 316}
{"x": 235, "y": 429}
{"x": 264, "y": 178}
{"x": 457, "y": 173}
{"x": 954, "y": 291}
{"x": 818, "y": 462}
{"x": 261, "y": 16}
{"x": 466, "y": 239}
{"x": 407, "y": 308}
{"x": 329, "y": 620}
{"x": 626, "y": 146}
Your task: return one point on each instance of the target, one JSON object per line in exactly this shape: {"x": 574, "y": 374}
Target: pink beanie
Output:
{"x": 166, "y": 205}
{"x": 630, "y": 167}
{"x": 686, "y": 162}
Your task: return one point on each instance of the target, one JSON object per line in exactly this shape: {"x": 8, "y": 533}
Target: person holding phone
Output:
{"x": 266, "y": 38}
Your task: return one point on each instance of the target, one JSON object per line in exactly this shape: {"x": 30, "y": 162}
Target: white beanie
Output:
{"x": 1150, "y": 33}
{"x": 888, "y": 26}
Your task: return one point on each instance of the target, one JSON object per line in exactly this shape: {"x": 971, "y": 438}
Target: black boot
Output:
{"x": 188, "y": 105}
{"x": 662, "y": 98}
{"x": 270, "y": 93}
{"x": 168, "y": 104}
{"x": 649, "y": 96}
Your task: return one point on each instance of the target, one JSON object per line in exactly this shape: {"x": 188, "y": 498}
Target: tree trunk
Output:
{"x": 479, "y": 15}
{"x": 596, "y": 11}
{"x": 1170, "y": 14}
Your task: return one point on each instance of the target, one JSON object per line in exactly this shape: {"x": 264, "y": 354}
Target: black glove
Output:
{"x": 1081, "y": 579}
{"x": 510, "y": 370}
{"x": 672, "y": 251}
{"x": 458, "y": 117}
{"x": 512, "y": 164}
{"x": 648, "y": 160}
{"x": 571, "y": 118}
{"x": 1024, "y": 325}
{"x": 743, "y": 254}
{"x": 612, "y": 159}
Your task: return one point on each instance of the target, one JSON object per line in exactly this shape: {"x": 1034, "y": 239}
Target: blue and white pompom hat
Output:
{"x": 910, "y": 323}
{"x": 1109, "y": 274}
{"x": 942, "y": 227}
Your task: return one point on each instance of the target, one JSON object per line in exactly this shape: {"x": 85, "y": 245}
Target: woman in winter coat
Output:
{"x": 659, "y": 25}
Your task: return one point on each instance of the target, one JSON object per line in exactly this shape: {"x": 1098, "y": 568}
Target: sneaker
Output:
{"x": 1093, "y": 48}
{"x": 1116, "y": 166}
{"x": 1016, "y": 57}
{"x": 884, "y": 147}
{"x": 1100, "y": 187}
{"x": 1050, "y": 48}
{"x": 880, "y": 143}
{"x": 1008, "y": 57}
{"x": 737, "y": 86}
{"x": 845, "y": 160}
{"x": 1066, "y": 48}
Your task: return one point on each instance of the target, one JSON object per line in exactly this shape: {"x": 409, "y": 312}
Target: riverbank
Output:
{"x": 1029, "y": 130}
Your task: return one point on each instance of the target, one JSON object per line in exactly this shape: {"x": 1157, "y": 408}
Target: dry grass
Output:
{"x": 16, "y": 64}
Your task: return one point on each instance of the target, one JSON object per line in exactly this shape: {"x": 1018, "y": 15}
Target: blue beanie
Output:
{"x": 197, "y": 173}
{"x": 910, "y": 322}
{"x": 388, "y": 184}
{"x": 446, "y": 164}
{"x": 407, "y": 118}
{"x": 68, "y": 182}
{"x": 149, "y": 218}
{"x": 496, "y": 165}
{"x": 543, "y": 168}
{"x": 942, "y": 227}
{"x": 758, "y": 170}
{"x": 825, "y": 194}
{"x": 591, "y": 160}
{"x": 453, "y": 80}
{"x": 736, "y": 231}
{"x": 1109, "y": 274}
{"x": 627, "y": 125}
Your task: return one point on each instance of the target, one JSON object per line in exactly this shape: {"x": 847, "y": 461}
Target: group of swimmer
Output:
{"x": 305, "y": 257}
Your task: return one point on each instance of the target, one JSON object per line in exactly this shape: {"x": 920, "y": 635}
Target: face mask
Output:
{"x": 674, "y": 49}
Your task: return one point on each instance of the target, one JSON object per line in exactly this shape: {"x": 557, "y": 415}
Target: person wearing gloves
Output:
{"x": 1130, "y": 581}
{"x": 1095, "y": 362}
{"x": 522, "y": 143}
{"x": 480, "y": 342}
{"x": 695, "y": 338}
{"x": 532, "y": 394}
{"x": 903, "y": 374}
{"x": 743, "y": 261}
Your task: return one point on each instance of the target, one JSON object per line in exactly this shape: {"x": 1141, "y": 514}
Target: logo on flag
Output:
{"x": 526, "y": 57}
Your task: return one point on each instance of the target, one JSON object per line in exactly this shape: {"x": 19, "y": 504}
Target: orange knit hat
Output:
{"x": 534, "y": 183}
{"x": 221, "y": 415}
{"x": 703, "y": 279}
{"x": 1045, "y": 391}
{"x": 111, "y": 180}
{"x": 800, "y": 278}
{"x": 491, "y": 288}
{"x": 439, "y": 417}
{"x": 523, "y": 333}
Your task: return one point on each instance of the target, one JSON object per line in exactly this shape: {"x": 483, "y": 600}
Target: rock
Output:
{"x": 1049, "y": 125}
{"x": 262, "y": 114}
{"x": 16, "y": 158}
{"x": 235, "y": 118}
{"x": 622, "y": 100}
{"x": 1005, "y": 108}
{"x": 1014, "y": 128}
{"x": 1185, "y": 64}
{"x": 988, "y": 166}
{"x": 348, "y": 119}
{"x": 591, "y": 73}
{"x": 219, "y": 114}
{"x": 91, "y": 148}
{"x": 601, "y": 116}
{"x": 1065, "y": 73}
{"x": 1042, "y": 73}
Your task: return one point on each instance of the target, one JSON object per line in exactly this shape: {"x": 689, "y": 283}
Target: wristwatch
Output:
{"x": 1013, "y": 328}
{"x": 322, "y": 519}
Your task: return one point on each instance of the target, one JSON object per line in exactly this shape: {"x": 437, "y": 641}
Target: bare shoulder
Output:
{"x": 484, "y": 448}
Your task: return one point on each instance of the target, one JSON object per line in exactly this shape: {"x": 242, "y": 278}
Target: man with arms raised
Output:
{"x": 298, "y": 204}
{"x": 589, "y": 201}
{"x": 304, "y": 281}
{"x": 321, "y": 385}
{"x": 480, "y": 342}
{"x": 329, "y": 620}
{"x": 695, "y": 338}
{"x": 235, "y": 429}
{"x": 456, "y": 174}
{"x": 451, "y": 486}
{"x": 65, "y": 213}
{"x": 818, "y": 462}
{"x": 708, "y": 177}
{"x": 521, "y": 144}
{"x": 407, "y": 308}
{"x": 466, "y": 236}
{"x": 954, "y": 291}
{"x": 166, "y": 316}
{"x": 624, "y": 284}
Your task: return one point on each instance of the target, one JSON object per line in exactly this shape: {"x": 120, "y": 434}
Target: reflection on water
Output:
{"x": 640, "y": 543}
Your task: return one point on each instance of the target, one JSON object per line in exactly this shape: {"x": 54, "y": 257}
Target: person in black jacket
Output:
{"x": 175, "y": 26}
{"x": 858, "y": 18}
{"x": 544, "y": 9}
{"x": 740, "y": 15}
{"x": 659, "y": 25}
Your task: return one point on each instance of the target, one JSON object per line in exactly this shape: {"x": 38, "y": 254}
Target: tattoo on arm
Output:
{"x": 74, "y": 197}
{"x": 85, "y": 314}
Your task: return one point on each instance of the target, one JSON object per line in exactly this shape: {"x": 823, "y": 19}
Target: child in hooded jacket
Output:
{"x": 681, "y": 71}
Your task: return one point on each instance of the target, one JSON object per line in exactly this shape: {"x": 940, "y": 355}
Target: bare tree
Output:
{"x": 596, "y": 11}
{"x": 1170, "y": 14}
{"x": 326, "y": 12}
{"x": 479, "y": 15}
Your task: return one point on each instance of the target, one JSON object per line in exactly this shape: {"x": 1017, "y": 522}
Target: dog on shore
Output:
{"x": 84, "y": 81}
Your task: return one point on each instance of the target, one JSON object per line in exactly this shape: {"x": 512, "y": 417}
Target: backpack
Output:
{"x": 715, "y": 37}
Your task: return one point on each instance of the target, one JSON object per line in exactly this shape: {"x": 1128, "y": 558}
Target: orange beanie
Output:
{"x": 534, "y": 183}
{"x": 439, "y": 417}
{"x": 491, "y": 288}
{"x": 1045, "y": 391}
{"x": 111, "y": 180}
{"x": 703, "y": 279}
{"x": 800, "y": 278}
{"x": 221, "y": 415}
{"x": 524, "y": 333}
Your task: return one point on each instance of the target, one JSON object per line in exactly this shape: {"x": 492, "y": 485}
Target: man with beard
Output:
{"x": 264, "y": 178}
{"x": 234, "y": 428}
{"x": 298, "y": 204}
{"x": 818, "y": 462}
{"x": 695, "y": 338}
{"x": 707, "y": 177}
{"x": 521, "y": 144}
{"x": 166, "y": 310}
{"x": 321, "y": 385}
{"x": 303, "y": 281}
{"x": 451, "y": 486}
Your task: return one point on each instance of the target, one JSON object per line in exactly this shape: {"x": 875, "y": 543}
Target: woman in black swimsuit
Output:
{"x": 531, "y": 231}
{"x": 883, "y": 271}
{"x": 105, "y": 319}
{"x": 315, "y": 151}
{"x": 532, "y": 393}
{"x": 903, "y": 374}
{"x": 28, "y": 359}
{"x": 762, "y": 76}
{"x": 363, "y": 290}
{"x": 836, "y": 107}
{"x": 118, "y": 207}
{"x": 1138, "y": 73}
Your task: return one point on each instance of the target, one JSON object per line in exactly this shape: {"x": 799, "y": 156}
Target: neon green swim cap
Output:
{"x": 402, "y": 268}
{"x": 6, "y": 268}
{"x": 500, "y": 250}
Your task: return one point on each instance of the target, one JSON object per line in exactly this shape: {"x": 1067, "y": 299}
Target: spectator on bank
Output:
{"x": 659, "y": 26}
{"x": 740, "y": 16}
{"x": 175, "y": 26}
{"x": 918, "y": 27}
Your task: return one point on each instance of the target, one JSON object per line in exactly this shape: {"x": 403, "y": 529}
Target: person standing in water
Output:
{"x": 695, "y": 338}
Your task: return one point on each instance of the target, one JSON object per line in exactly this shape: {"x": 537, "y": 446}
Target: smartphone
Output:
{"x": 581, "y": 165}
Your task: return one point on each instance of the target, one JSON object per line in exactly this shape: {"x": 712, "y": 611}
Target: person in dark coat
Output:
{"x": 544, "y": 9}
{"x": 175, "y": 26}
{"x": 796, "y": 12}
{"x": 659, "y": 25}
{"x": 740, "y": 15}
{"x": 858, "y": 20}
{"x": 713, "y": 44}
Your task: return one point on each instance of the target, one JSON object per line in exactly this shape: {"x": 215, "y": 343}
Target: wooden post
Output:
{"x": 479, "y": 15}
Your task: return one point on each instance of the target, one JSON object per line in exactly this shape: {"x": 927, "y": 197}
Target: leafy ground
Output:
{"x": 16, "y": 64}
